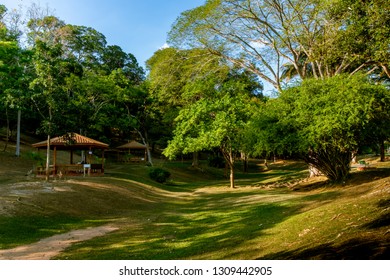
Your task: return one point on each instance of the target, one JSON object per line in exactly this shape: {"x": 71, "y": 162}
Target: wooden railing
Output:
{"x": 71, "y": 170}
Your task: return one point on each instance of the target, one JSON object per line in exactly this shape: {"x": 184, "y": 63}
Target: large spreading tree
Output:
{"x": 218, "y": 120}
{"x": 323, "y": 122}
{"x": 208, "y": 101}
{"x": 316, "y": 38}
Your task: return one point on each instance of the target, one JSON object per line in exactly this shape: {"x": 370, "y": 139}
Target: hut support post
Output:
{"x": 71, "y": 156}
{"x": 102, "y": 161}
{"x": 55, "y": 160}
{"x": 89, "y": 160}
{"x": 48, "y": 157}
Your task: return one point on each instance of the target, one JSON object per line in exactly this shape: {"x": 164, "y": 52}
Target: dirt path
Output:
{"x": 48, "y": 248}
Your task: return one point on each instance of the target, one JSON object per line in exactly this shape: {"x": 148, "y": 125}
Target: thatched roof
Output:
{"x": 132, "y": 145}
{"x": 72, "y": 141}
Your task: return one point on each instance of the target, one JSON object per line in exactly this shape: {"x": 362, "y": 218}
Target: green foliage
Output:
{"x": 83, "y": 44}
{"x": 36, "y": 157}
{"x": 217, "y": 121}
{"x": 209, "y": 123}
{"x": 159, "y": 175}
{"x": 48, "y": 86}
{"x": 337, "y": 112}
{"x": 324, "y": 121}
{"x": 365, "y": 35}
{"x": 177, "y": 77}
{"x": 304, "y": 38}
{"x": 269, "y": 133}
{"x": 14, "y": 77}
{"x": 115, "y": 58}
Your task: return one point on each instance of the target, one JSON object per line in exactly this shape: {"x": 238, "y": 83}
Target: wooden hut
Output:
{"x": 132, "y": 152}
{"x": 74, "y": 142}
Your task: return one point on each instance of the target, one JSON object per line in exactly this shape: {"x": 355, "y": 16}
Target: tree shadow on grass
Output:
{"x": 367, "y": 176}
{"x": 384, "y": 219}
{"x": 353, "y": 249}
{"x": 196, "y": 234}
{"x": 211, "y": 226}
{"x": 377, "y": 248}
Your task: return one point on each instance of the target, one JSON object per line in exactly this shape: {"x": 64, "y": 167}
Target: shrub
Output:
{"x": 37, "y": 158}
{"x": 159, "y": 175}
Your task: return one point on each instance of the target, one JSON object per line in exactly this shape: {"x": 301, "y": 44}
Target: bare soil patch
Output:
{"x": 50, "y": 247}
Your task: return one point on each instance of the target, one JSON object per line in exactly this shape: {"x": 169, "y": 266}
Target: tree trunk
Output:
{"x": 354, "y": 157}
{"x": 232, "y": 177}
{"x": 382, "y": 151}
{"x": 7, "y": 130}
{"x": 313, "y": 171}
{"x": 332, "y": 163}
{"x": 48, "y": 158}
{"x": 244, "y": 158}
{"x": 17, "y": 152}
{"x": 195, "y": 159}
{"x": 149, "y": 155}
{"x": 229, "y": 158}
{"x": 145, "y": 142}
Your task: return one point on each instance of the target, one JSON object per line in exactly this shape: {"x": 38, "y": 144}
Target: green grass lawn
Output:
{"x": 273, "y": 214}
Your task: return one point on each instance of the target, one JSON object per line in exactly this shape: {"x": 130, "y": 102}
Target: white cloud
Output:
{"x": 165, "y": 46}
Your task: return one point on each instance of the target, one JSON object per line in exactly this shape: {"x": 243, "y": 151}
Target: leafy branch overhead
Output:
{"x": 313, "y": 38}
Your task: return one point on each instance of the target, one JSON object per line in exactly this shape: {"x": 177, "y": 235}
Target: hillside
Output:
{"x": 274, "y": 214}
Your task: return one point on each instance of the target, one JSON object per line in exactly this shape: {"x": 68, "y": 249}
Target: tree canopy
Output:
{"x": 316, "y": 38}
{"x": 68, "y": 78}
{"x": 323, "y": 121}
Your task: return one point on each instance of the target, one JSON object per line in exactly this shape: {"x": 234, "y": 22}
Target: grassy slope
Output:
{"x": 198, "y": 217}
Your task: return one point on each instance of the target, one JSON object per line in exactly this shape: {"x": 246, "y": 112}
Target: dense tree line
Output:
{"x": 327, "y": 60}
{"x": 66, "y": 78}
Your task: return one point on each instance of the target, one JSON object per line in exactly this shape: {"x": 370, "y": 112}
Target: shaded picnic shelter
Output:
{"x": 74, "y": 142}
{"x": 132, "y": 152}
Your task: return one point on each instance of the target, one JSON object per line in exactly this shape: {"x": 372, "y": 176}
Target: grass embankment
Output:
{"x": 214, "y": 222}
{"x": 271, "y": 214}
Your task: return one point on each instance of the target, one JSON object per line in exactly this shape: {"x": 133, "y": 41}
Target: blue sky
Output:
{"x": 139, "y": 27}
